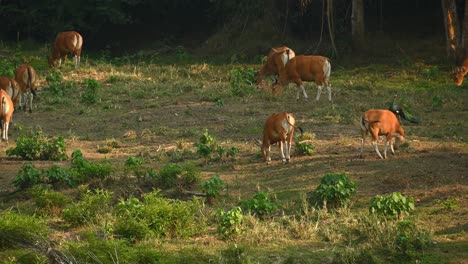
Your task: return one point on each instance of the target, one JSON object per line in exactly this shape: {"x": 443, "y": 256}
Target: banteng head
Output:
{"x": 459, "y": 74}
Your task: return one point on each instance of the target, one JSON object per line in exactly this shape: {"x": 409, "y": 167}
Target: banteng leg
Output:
{"x": 281, "y": 147}
{"x": 319, "y": 91}
{"x": 268, "y": 154}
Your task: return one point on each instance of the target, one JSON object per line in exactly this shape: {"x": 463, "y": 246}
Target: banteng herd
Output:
{"x": 282, "y": 65}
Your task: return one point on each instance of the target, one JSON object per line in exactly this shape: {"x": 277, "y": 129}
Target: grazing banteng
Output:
{"x": 69, "y": 42}
{"x": 279, "y": 128}
{"x": 460, "y": 72}
{"x": 25, "y": 76}
{"x": 11, "y": 87}
{"x": 277, "y": 59}
{"x": 6, "y": 111}
{"x": 305, "y": 68}
{"x": 378, "y": 123}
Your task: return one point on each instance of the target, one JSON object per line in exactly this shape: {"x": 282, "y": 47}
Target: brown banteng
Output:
{"x": 381, "y": 123}
{"x": 6, "y": 112}
{"x": 460, "y": 72}
{"x": 11, "y": 87}
{"x": 26, "y": 77}
{"x": 279, "y": 128}
{"x": 305, "y": 68}
{"x": 69, "y": 42}
{"x": 276, "y": 60}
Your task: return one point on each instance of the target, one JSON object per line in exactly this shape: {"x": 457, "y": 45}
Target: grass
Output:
{"x": 158, "y": 110}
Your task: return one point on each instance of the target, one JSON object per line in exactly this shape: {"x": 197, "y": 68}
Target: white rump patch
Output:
{"x": 327, "y": 69}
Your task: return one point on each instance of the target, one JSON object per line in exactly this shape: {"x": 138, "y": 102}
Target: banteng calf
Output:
{"x": 381, "y": 123}
{"x": 279, "y": 128}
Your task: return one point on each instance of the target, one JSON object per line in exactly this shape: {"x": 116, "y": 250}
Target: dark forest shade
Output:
{"x": 124, "y": 24}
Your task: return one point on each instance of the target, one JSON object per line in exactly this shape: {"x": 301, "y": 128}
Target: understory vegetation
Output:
{"x": 133, "y": 161}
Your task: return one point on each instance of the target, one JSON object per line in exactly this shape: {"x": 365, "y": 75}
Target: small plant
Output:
{"x": 394, "y": 205}
{"x": 90, "y": 96}
{"x": 38, "y": 146}
{"x": 304, "y": 148}
{"x": 206, "y": 145}
{"x": 260, "y": 205}
{"x": 241, "y": 81}
{"x": 410, "y": 237}
{"x": 88, "y": 208}
{"x": 27, "y": 176}
{"x": 86, "y": 170}
{"x": 449, "y": 204}
{"x": 48, "y": 201}
{"x": 133, "y": 164}
{"x": 212, "y": 187}
{"x": 230, "y": 222}
{"x": 334, "y": 190}
{"x": 174, "y": 175}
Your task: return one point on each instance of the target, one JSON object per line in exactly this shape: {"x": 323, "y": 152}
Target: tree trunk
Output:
{"x": 357, "y": 24}
{"x": 331, "y": 25}
{"x": 464, "y": 43}
{"x": 452, "y": 28}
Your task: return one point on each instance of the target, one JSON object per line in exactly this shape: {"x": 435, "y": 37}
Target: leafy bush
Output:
{"x": 207, "y": 145}
{"x": 334, "y": 190}
{"x": 38, "y": 146}
{"x": 48, "y": 201}
{"x": 394, "y": 205}
{"x": 90, "y": 96}
{"x": 230, "y": 222}
{"x": 304, "y": 148}
{"x": 260, "y": 204}
{"x": 18, "y": 230}
{"x": 134, "y": 164}
{"x": 27, "y": 176}
{"x": 157, "y": 216}
{"x": 175, "y": 175}
{"x": 90, "y": 206}
{"x": 212, "y": 187}
{"x": 241, "y": 81}
{"x": 86, "y": 170}
{"x": 410, "y": 237}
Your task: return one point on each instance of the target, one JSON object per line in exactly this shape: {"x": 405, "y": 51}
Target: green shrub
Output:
{"x": 134, "y": 165}
{"x": 48, "y": 201}
{"x": 411, "y": 237}
{"x": 8, "y": 67}
{"x": 86, "y": 170}
{"x": 206, "y": 145}
{"x": 175, "y": 175}
{"x": 27, "y": 176}
{"x": 20, "y": 230}
{"x": 157, "y": 216}
{"x": 334, "y": 190}
{"x": 260, "y": 205}
{"x": 230, "y": 222}
{"x": 90, "y": 206}
{"x": 241, "y": 81}
{"x": 57, "y": 174}
{"x": 394, "y": 205}
{"x": 90, "y": 96}
{"x": 304, "y": 148}
{"x": 213, "y": 187}
{"x": 38, "y": 146}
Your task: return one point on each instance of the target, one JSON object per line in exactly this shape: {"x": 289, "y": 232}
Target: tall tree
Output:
{"x": 452, "y": 28}
{"x": 357, "y": 24}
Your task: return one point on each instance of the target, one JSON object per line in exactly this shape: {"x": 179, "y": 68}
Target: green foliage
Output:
{"x": 86, "y": 170}
{"x": 394, "y": 205}
{"x": 175, "y": 175}
{"x": 260, "y": 205}
{"x": 38, "y": 146}
{"x": 90, "y": 206}
{"x": 449, "y": 204}
{"x": 304, "y": 148}
{"x": 213, "y": 187}
{"x": 241, "y": 81}
{"x": 334, "y": 190}
{"x": 90, "y": 96}
{"x": 410, "y": 237}
{"x": 134, "y": 165}
{"x": 56, "y": 83}
{"x": 27, "y": 176}
{"x": 8, "y": 67}
{"x": 157, "y": 216}
{"x": 49, "y": 201}
{"x": 207, "y": 145}
{"x": 230, "y": 222}
{"x": 437, "y": 102}
{"x": 18, "y": 229}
